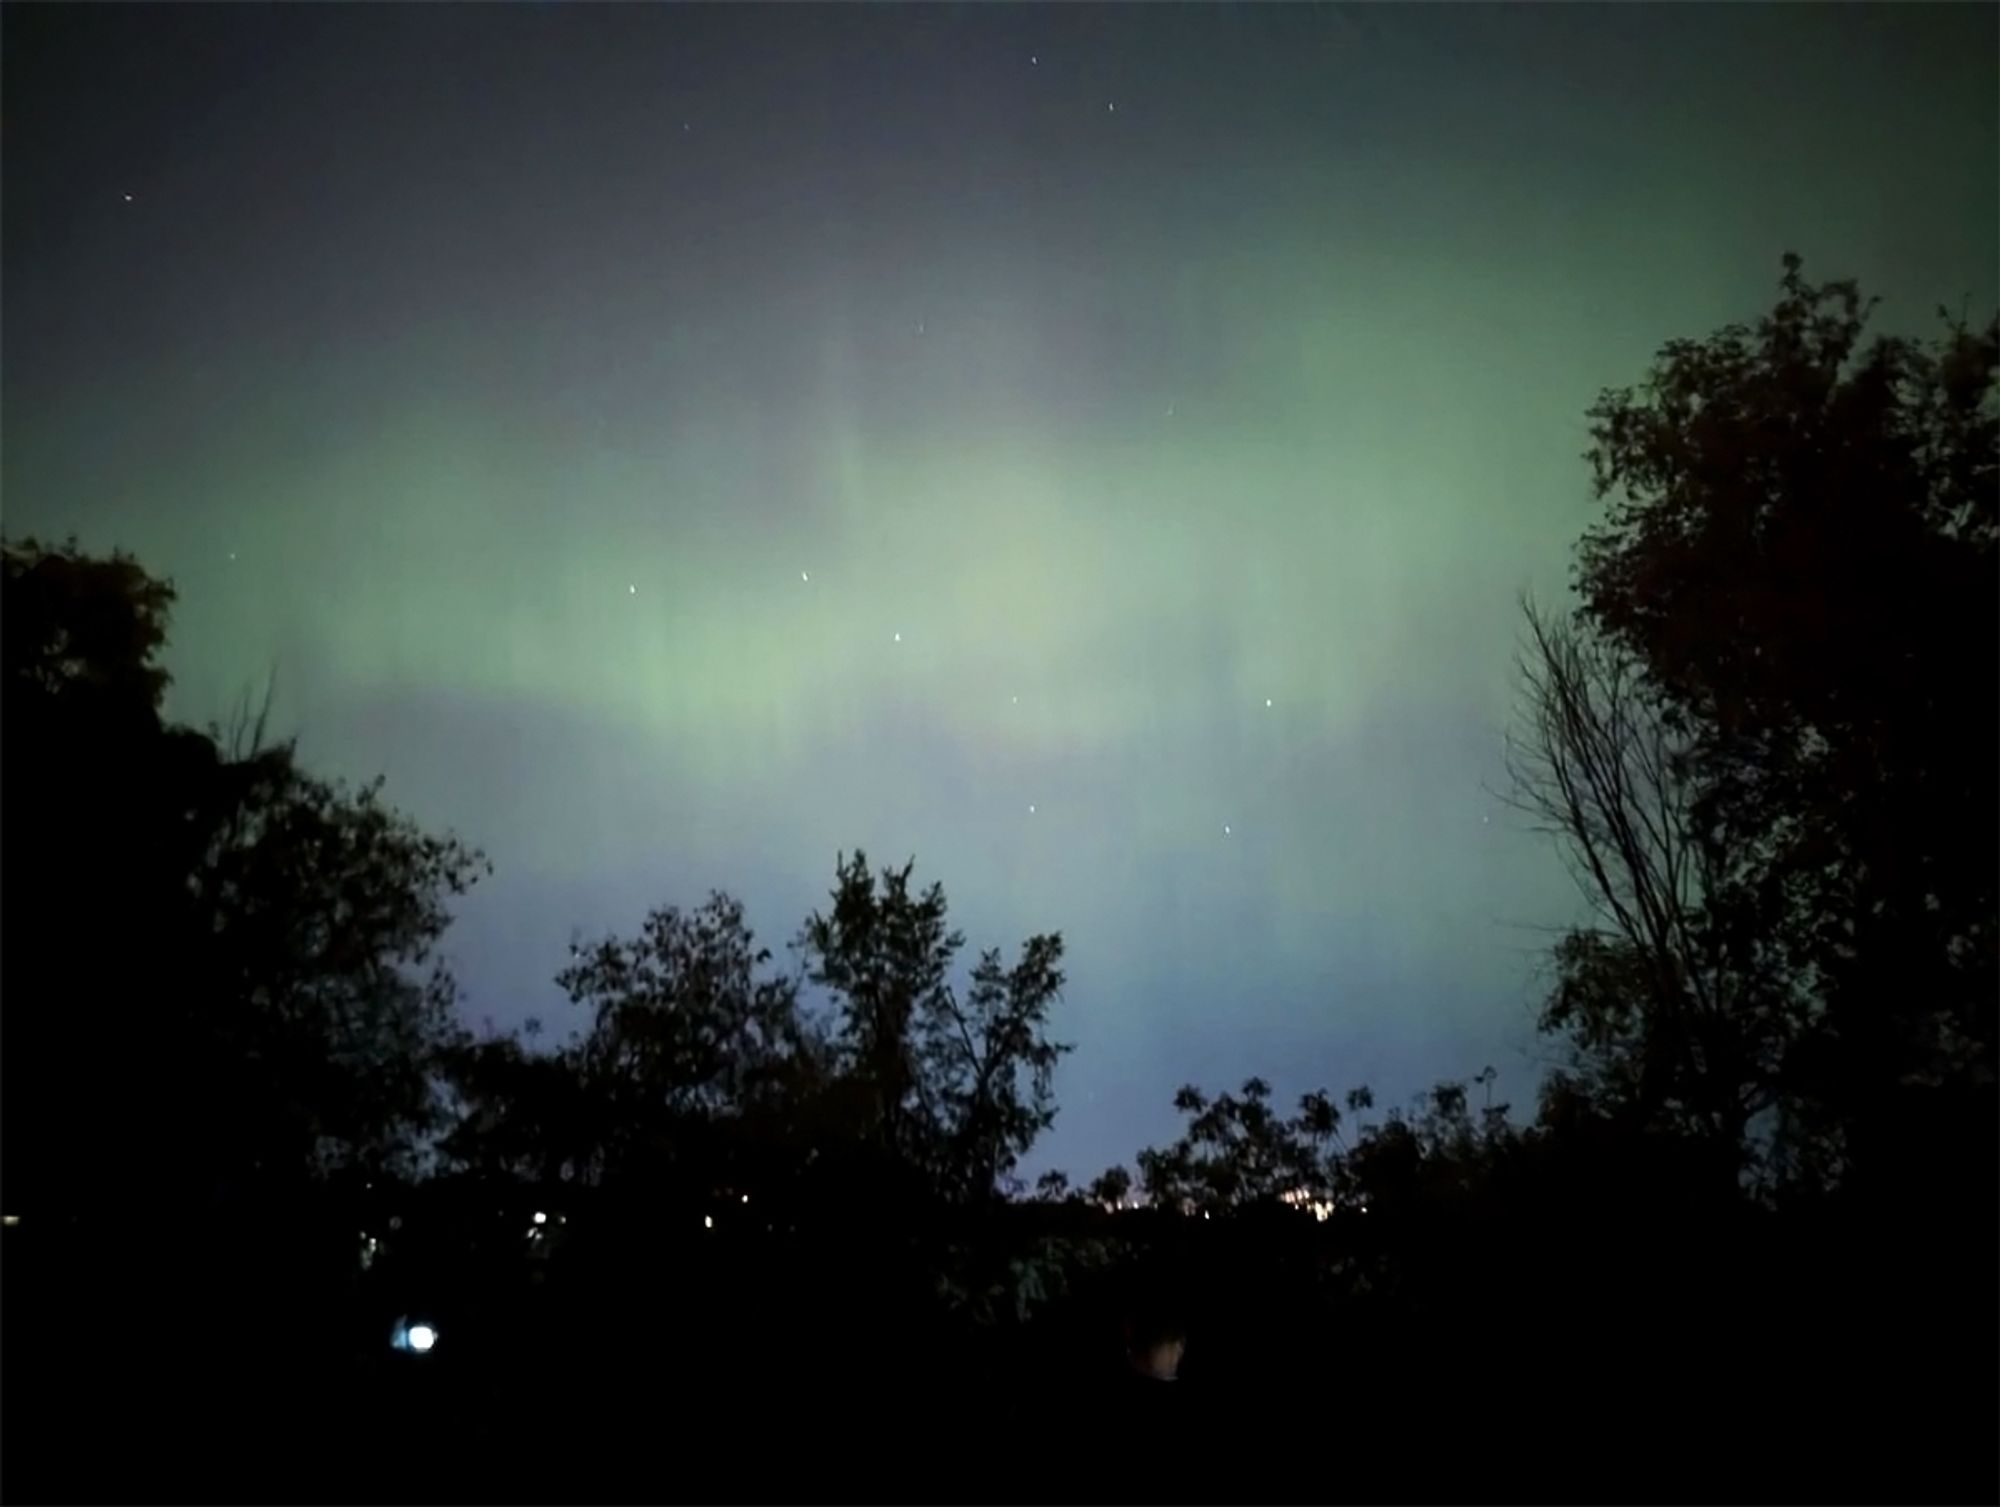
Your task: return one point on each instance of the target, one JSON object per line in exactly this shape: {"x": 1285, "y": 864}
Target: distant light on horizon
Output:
{"x": 422, "y": 1337}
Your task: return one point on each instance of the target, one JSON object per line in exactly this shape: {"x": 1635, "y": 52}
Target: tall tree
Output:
{"x": 1675, "y": 1013}
{"x": 954, "y": 1088}
{"x": 219, "y": 970}
{"x": 1798, "y": 562}
{"x": 692, "y": 1044}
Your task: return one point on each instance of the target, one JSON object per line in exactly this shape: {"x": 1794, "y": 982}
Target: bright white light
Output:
{"x": 10, "y": 1219}
{"x": 804, "y": 577}
{"x": 632, "y": 591}
{"x": 418, "y": 1339}
{"x": 540, "y": 1217}
{"x": 1267, "y": 701}
{"x": 897, "y": 637}
{"x": 746, "y": 1198}
{"x": 708, "y": 1221}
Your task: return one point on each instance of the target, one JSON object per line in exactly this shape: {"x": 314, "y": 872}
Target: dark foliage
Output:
{"x": 219, "y": 973}
{"x": 1769, "y": 736}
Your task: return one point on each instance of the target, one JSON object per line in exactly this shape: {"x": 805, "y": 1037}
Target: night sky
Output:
{"x": 1095, "y": 451}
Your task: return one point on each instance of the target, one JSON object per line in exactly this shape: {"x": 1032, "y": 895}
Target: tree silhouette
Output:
{"x": 1111, "y": 1187}
{"x": 523, "y": 1115}
{"x": 691, "y": 1045}
{"x": 219, "y": 968}
{"x": 1238, "y": 1152}
{"x": 1674, "y": 1017}
{"x": 956, "y": 1089}
{"x": 1794, "y": 588}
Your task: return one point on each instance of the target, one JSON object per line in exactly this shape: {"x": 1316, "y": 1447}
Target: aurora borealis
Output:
{"x": 1096, "y": 451}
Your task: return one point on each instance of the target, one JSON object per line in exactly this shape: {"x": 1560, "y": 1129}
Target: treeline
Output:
{"x": 1759, "y": 1186}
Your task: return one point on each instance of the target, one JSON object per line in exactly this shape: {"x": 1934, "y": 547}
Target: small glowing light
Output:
{"x": 1033, "y": 61}
{"x": 128, "y": 198}
{"x": 708, "y": 1221}
{"x": 1267, "y": 701}
{"x": 10, "y": 1219}
{"x": 418, "y": 1338}
{"x": 540, "y": 1217}
{"x": 631, "y": 591}
{"x": 746, "y": 1198}
{"x": 1112, "y": 108}
{"x": 804, "y": 577}
{"x": 1031, "y": 809}
{"x": 1225, "y": 831}
{"x": 1017, "y": 700}
{"x": 897, "y": 637}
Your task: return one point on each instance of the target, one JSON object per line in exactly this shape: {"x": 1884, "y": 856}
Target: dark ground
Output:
{"x": 145, "y": 1364}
